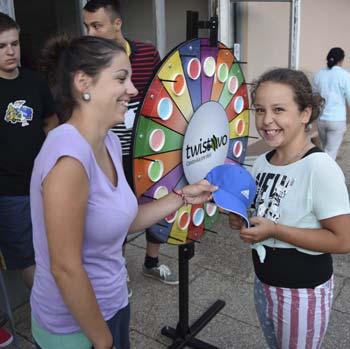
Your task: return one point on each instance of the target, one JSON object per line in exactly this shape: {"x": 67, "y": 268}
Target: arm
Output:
{"x": 333, "y": 237}
{"x": 50, "y": 123}
{"x": 65, "y": 193}
{"x": 153, "y": 212}
{"x": 347, "y": 88}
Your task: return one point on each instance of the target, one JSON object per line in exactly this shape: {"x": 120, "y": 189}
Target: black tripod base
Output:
{"x": 186, "y": 337}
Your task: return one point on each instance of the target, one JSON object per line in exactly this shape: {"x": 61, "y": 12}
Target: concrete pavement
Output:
{"x": 220, "y": 269}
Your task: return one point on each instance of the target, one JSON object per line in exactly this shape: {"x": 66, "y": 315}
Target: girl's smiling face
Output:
{"x": 277, "y": 116}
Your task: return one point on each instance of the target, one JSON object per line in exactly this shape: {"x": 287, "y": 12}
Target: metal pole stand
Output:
{"x": 184, "y": 335}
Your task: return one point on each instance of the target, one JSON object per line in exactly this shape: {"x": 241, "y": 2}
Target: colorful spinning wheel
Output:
{"x": 194, "y": 117}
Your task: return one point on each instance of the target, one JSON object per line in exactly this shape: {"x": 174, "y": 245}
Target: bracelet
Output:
{"x": 181, "y": 195}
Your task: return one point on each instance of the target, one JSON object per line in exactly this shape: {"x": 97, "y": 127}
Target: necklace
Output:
{"x": 297, "y": 156}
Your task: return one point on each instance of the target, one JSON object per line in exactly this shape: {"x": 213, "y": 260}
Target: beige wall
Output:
{"x": 324, "y": 24}
{"x": 265, "y": 41}
{"x": 267, "y": 37}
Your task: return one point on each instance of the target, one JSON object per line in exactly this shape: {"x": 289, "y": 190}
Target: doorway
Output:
{"x": 40, "y": 19}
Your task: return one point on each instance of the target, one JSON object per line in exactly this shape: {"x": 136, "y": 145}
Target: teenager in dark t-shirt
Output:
{"x": 26, "y": 113}
{"x": 25, "y": 103}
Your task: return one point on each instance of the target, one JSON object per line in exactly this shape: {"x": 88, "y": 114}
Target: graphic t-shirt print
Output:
{"x": 272, "y": 189}
{"x": 18, "y": 113}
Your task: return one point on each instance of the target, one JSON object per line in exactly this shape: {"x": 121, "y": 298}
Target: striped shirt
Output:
{"x": 144, "y": 59}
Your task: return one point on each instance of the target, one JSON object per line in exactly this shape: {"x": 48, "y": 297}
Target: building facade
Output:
{"x": 260, "y": 28}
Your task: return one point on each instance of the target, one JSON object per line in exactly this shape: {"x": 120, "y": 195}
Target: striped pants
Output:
{"x": 293, "y": 318}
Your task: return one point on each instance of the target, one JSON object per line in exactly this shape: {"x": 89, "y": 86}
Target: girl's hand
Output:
{"x": 236, "y": 222}
{"x": 197, "y": 193}
{"x": 262, "y": 229}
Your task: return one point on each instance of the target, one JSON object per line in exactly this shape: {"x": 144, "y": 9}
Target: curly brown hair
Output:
{"x": 299, "y": 83}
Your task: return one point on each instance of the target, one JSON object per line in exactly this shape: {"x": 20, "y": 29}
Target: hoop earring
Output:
{"x": 86, "y": 96}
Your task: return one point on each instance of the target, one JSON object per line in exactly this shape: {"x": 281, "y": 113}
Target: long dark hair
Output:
{"x": 62, "y": 56}
{"x": 299, "y": 83}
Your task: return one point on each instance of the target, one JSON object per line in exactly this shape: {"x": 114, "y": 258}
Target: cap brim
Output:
{"x": 230, "y": 203}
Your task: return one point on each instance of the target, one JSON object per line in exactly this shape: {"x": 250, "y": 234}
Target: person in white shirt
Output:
{"x": 301, "y": 215}
{"x": 333, "y": 84}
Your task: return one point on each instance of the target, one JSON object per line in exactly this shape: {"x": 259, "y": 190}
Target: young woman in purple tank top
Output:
{"x": 82, "y": 207}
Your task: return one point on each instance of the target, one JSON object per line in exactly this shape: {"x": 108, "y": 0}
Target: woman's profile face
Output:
{"x": 277, "y": 116}
{"x": 113, "y": 90}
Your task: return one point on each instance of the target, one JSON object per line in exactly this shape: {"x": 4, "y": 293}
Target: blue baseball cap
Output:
{"x": 236, "y": 188}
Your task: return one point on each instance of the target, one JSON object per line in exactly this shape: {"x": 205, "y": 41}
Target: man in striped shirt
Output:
{"x": 103, "y": 18}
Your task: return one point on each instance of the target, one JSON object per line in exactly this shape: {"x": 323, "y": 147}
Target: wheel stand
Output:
{"x": 184, "y": 335}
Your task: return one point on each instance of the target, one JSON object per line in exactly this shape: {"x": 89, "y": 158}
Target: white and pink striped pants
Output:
{"x": 293, "y": 318}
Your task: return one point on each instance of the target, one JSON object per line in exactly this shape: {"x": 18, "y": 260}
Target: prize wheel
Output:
{"x": 194, "y": 116}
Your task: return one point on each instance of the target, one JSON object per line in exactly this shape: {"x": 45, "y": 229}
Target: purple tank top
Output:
{"x": 110, "y": 212}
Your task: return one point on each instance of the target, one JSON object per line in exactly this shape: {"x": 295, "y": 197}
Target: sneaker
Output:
{"x": 161, "y": 273}
{"x": 6, "y": 338}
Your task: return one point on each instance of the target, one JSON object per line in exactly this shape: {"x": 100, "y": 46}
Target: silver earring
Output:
{"x": 86, "y": 96}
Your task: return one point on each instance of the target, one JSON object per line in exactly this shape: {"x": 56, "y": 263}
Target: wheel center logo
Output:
{"x": 206, "y": 141}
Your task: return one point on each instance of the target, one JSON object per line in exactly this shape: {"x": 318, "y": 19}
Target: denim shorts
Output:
{"x": 16, "y": 241}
